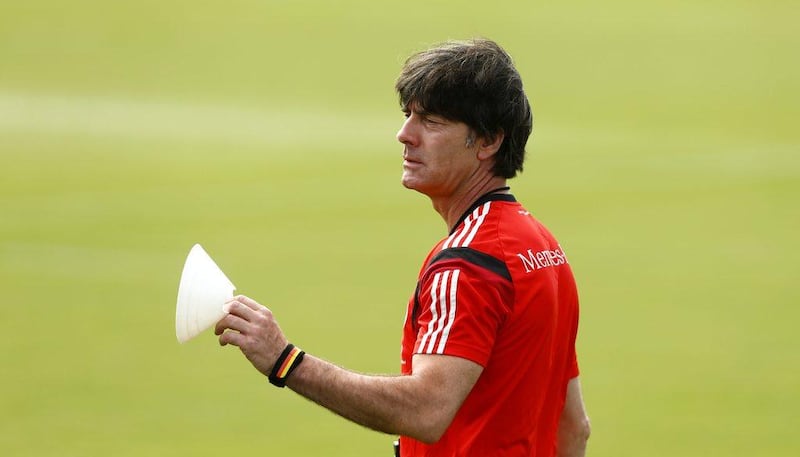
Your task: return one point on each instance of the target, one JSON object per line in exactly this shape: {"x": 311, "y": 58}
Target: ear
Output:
{"x": 488, "y": 147}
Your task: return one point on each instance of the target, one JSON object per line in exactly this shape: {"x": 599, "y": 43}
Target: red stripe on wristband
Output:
{"x": 284, "y": 368}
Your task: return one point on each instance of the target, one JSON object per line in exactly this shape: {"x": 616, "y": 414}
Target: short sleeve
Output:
{"x": 572, "y": 367}
{"x": 461, "y": 308}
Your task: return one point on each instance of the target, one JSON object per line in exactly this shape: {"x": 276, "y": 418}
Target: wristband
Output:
{"x": 289, "y": 359}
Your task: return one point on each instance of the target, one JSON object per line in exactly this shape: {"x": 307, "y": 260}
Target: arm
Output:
{"x": 573, "y": 427}
{"x": 420, "y": 405}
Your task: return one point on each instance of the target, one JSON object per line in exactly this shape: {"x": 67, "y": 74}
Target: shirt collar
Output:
{"x": 490, "y": 196}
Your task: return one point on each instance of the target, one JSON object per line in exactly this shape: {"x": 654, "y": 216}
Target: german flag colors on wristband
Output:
{"x": 289, "y": 359}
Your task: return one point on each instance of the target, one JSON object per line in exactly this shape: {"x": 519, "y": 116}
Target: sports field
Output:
{"x": 665, "y": 157}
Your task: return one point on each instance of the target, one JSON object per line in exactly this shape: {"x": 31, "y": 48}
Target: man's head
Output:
{"x": 473, "y": 82}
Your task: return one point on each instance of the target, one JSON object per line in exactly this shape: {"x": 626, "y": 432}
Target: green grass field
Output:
{"x": 665, "y": 157}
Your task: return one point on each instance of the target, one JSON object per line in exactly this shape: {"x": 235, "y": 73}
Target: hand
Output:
{"x": 253, "y": 329}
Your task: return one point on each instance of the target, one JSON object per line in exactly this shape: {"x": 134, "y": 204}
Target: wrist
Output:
{"x": 289, "y": 359}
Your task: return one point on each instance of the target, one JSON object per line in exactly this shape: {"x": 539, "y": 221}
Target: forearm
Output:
{"x": 420, "y": 405}
{"x": 384, "y": 403}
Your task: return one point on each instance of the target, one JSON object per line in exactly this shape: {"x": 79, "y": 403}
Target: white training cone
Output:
{"x": 203, "y": 291}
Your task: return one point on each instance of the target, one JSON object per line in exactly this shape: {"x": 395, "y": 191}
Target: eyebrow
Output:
{"x": 415, "y": 107}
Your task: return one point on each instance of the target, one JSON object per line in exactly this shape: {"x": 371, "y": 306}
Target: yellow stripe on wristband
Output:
{"x": 288, "y": 362}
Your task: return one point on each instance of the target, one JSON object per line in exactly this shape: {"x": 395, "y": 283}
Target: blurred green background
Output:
{"x": 665, "y": 156}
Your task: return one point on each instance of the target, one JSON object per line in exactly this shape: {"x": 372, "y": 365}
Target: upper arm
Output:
{"x": 444, "y": 382}
{"x": 574, "y": 409}
{"x": 462, "y": 301}
{"x": 461, "y": 306}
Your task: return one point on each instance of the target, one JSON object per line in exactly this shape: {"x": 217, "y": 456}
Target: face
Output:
{"x": 438, "y": 156}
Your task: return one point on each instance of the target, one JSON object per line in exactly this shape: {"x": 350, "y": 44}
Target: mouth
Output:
{"x": 410, "y": 160}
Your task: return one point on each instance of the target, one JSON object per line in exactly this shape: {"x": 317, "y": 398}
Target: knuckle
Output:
{"x": 264, "y": 315}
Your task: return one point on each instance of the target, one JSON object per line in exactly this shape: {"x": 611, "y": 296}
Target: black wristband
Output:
{"x": 289, "y": 359}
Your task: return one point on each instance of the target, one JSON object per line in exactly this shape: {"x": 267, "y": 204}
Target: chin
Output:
{"x": 411, "y": 186}
{"x": 407, "y": 181}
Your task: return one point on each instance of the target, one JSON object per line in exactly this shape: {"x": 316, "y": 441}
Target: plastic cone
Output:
{"x": 202, "y": 292}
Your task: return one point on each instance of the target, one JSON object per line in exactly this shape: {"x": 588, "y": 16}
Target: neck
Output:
{"x": 452, "y": 207}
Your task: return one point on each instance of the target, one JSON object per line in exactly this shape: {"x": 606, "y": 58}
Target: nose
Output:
{"x": 407, "y": 134}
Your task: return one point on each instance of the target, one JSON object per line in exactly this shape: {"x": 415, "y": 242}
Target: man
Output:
{"x": 488, "y": 353}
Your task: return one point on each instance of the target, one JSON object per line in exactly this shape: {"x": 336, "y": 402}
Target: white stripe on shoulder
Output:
{"x": 465, "y": 230}
{"x": 468, "y": 230}
{"x": 443, "y": 312}
{"x": 443, "y": 304}
{"x": 451, "y": 317}
{"x": 478, "y": 223}
{"x": 458, "y": 234}
{"x": 432, "y": 322}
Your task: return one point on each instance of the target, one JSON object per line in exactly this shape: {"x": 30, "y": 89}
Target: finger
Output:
{"x": 238, "y": 308}
{"x": 233, "y": 338}
{"x": 249, "y": 302}
{"x": 231, "y": 322}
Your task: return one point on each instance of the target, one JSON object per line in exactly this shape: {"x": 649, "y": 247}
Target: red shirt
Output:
{"x": 498, "y": 291}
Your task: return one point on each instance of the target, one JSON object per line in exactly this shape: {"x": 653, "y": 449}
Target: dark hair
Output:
{"x": 473, "y": 82}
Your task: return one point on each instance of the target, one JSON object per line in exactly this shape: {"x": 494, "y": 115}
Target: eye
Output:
{"x": 431, "y": 120}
